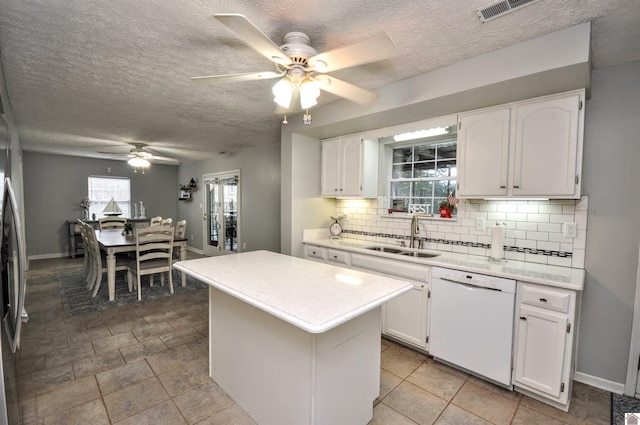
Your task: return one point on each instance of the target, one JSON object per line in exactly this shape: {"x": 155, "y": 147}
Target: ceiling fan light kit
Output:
{"x": 297, "y": 62}
{"x": 138, "y": 162}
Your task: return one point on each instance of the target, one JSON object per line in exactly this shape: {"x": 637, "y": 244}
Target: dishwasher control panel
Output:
{"x": 475, "y": 279}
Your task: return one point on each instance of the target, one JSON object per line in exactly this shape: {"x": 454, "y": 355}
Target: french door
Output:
{"x": 222, "y": 213}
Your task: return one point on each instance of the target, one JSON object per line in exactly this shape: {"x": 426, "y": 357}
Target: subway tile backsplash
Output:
{"x": 534, "y": 229}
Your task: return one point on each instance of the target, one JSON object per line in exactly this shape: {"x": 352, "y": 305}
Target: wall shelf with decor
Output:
{"x": 186, "y": 190}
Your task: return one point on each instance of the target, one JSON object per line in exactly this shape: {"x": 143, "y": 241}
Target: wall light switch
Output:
{"x": 569, "y": 230}
{"x": 480, "y": 224}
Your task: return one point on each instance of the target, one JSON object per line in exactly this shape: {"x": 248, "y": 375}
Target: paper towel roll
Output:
{"x": 497, "y": 242}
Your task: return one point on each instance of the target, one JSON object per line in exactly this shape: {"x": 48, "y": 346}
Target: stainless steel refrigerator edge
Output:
{"x": 13, "y": 268}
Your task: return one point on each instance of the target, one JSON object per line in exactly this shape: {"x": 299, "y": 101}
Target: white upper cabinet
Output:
{"x": 349, "y": 167}
{"x": 523, "y": 149}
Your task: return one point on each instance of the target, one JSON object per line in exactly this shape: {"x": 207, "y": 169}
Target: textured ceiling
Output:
{"x": 83, "y": 76}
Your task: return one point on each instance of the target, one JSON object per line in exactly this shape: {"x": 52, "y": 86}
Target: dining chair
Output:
{"x": 111, "y": 222}
{"x": 155, "y": 221}
{"x": 167, "y": 221}
{"x": 83, "y": 236}
{"x": 180, "y": 232}
{"x": 98, "y": 261}
{"x": 181, "y": 229}
{"x": 154, "y": 252}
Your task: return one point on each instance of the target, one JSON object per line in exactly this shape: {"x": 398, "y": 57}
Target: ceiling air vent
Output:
{"x": 500, "y": 8}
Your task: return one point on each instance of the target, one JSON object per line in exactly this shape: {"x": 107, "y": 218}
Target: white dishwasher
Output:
{"x": 471, "y": 324}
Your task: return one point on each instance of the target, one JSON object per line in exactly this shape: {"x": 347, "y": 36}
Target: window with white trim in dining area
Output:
{"x": 104, "y": 188}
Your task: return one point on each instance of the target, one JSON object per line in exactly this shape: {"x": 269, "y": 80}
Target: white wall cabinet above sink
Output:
{"x": 524, "y": 149}
{"x": 349, "y": 167}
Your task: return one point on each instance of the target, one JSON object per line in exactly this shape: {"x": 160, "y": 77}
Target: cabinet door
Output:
{"x": 483, "y": 153}
{"x": 405, "y": 316}
{"x": 330, "y": 179}
{"x": 547, "y": 147}
{"x": 351, "y": 156}
{"x": 540, "y": 350}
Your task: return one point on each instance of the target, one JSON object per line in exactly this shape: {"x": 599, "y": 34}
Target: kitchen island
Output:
{"x": 293, "y": 341}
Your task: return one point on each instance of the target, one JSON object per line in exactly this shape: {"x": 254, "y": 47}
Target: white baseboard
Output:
{"x": 594, "y": 381}
{"x": 197, "y": 251}
{"x": 47, "y": 256}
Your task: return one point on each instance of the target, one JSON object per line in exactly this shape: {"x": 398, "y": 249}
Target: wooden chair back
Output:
{"x": 111, "y": 222}
{"x": 155, "y": 221}
{"x": 181, "y": 229}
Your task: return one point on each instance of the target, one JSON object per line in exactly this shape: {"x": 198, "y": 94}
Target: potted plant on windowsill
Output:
{"x": 448, "y": 206}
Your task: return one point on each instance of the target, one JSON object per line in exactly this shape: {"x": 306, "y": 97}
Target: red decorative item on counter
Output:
{"x": 445, "y": 212}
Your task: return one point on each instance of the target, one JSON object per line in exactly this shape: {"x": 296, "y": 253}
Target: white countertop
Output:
{"x": 313, "y": 296}
{"x": 561, "y": 277}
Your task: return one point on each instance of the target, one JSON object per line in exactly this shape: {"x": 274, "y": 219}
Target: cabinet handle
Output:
{"x": 313, "y": 252}
{"x": 503, "y": 187}
{"x": 523, "y": 318}
{"x": 335, "y": 257}
{"x": 516, "y": 187}
{"x": 544, "y": 300}
{"x": 335, "y": 190}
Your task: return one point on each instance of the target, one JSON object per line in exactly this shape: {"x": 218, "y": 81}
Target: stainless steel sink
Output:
{"x": 385, "y": 249}
{"x": 391, "y": 250}
{"x": 420, "y": 254}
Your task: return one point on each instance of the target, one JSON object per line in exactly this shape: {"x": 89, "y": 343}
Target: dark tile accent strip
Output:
{"x": 563, "y": 254}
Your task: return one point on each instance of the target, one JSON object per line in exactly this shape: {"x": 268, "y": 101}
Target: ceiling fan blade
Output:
{"x": 227, "y": 78}
{"x": 346, "y": 90}
{"x": 255, "y": 38}
{"x": 168, "y": 160}
{"x": 372, "y": 50}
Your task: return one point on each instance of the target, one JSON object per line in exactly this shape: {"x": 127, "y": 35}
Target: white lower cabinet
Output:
{"x": 405, "y": 317}
{"x": 545, "y": 334}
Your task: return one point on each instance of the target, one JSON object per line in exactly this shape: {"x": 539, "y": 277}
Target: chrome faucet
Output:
{"x": 415, "y": 231}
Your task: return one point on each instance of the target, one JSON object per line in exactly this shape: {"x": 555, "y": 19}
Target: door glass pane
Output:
{"x": 214, "y": 211}
{"x": 230, "y": 202}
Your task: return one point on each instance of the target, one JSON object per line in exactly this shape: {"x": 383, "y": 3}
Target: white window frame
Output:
{"x": 435, "y": 200}
{"x": 100, "y": 197}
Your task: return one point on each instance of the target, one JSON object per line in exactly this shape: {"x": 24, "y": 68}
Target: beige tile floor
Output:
{"x": 147, "y": 364}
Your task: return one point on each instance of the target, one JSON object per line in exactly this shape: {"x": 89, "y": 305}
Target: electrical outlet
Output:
{"x": 480, "y": 224}
{"x": 191, "y": 237}
{"x": 569, "y": 230}
{"x": 244, "y": 245}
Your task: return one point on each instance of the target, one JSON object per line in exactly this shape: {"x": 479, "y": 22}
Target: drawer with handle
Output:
{"x": 553, "y": 299}
{"x": 339, "y": 257}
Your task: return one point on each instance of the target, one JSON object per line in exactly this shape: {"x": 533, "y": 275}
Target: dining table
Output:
{"x": 113, "y": 242}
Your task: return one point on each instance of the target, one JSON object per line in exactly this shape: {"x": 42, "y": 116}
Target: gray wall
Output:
{"x": 260, "y": 191}
{"x": 54, "y": 185}
{"x": 611, "y": 171}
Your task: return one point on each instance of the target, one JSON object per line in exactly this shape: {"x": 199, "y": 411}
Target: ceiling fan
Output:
{"x": 301, "y": 69}
{"x": 141, "y": 156}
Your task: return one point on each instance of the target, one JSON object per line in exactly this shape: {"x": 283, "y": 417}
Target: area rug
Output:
{"x": 621, "y": 404}
{"x": 77, "y": 299}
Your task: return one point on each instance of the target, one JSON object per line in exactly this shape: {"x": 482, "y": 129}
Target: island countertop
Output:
{"x": 309, "y": 295}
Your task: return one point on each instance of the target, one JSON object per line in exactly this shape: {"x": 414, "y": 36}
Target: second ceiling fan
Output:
{"x": 301, "y": 69}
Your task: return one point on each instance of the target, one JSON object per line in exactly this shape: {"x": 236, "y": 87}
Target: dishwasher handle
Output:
{"x": 469, "y": 285}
